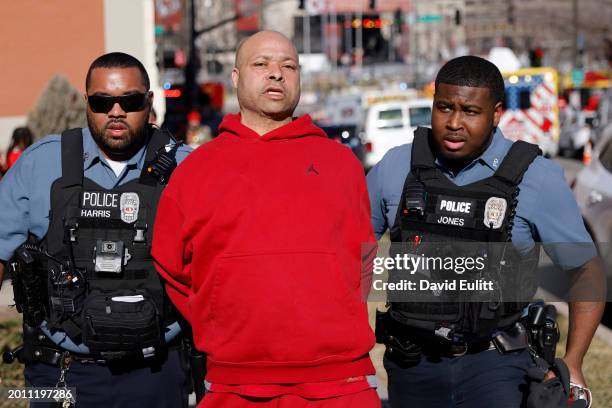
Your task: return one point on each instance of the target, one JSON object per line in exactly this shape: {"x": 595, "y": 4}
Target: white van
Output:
{"x": 392, "y": 124}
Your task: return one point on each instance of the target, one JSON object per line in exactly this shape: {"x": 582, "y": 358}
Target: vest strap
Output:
{"x": 72, "y": 157}
{"x": 157, "y": 141}
{"x": 422, "y": 156}
{"x": 517, "y": 161}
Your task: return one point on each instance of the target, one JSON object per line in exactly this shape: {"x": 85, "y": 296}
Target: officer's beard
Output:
{"x": 119, "y": 149}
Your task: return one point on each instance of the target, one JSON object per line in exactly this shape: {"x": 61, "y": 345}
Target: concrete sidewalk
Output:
{"x": 6, "y": 300}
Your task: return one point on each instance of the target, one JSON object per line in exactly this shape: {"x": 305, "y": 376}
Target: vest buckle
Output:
{"x": 140, "y": 233}
{"x": 444, "y": 332}
{"x": 458, "y": 346}
{"x": 71, "y": 232}
{"x": 458, "y": 349}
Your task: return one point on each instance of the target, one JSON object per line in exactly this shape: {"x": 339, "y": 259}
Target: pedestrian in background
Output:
{"x": 197, "y": 133}
{"x": 22, "y": 138}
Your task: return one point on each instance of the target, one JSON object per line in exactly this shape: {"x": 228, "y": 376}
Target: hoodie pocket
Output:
{"x": 282, "y": 307}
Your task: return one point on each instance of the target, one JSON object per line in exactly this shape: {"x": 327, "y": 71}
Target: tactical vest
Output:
{"x": 103, "y": 290}
{"x": 435, "y": 215}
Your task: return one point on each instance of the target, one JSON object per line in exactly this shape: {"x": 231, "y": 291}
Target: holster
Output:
{"x": 29, "y": 285}
{"x": 512, "y": 339}
{"x": 543, "y": 331}
{"x": 197, "y": 366}
{"x": 37, "y": 348}
{"x": 398, "y": 348}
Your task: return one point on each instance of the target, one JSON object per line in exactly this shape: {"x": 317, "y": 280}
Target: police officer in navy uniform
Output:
{"x": 462, "y": 181}
{"x": 75, "y": 232}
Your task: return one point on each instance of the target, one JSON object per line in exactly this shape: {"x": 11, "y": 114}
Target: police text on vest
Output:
{"x": 99, "y": 199}
{"x": 455, "y": 206}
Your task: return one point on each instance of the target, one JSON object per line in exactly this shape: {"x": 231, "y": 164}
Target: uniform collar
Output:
{"x": 491, "y": 157}
{"x": 92, "y": 154}
{"x": 496, "y": 151}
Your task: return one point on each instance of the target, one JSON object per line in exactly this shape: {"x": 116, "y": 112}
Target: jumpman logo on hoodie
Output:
{"x": 312, "y": 169}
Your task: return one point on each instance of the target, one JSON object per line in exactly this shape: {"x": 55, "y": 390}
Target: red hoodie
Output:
{"x": 260, "y": 241}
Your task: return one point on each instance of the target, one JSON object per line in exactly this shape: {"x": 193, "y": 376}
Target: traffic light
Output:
{"x": 457, "y": 17}
{"x": 510, "y": 13}
{"x": 302, "y": 4}
{"x": 397, "y": 17}
{"x": 535, "y": 57}
{"x": 372, "y": 4}
{"x": 173, "y": 58}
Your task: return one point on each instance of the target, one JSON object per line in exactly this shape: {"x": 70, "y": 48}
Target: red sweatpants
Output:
{"x": 364, "y": 399}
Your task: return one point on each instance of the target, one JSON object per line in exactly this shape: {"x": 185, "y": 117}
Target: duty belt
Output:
{"x": 410, "y": 342}
{"x": 457, "y": 349}
{"x": 37, "y": 348}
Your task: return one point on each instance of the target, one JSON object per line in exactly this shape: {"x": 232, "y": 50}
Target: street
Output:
{"x": 570, "y": 167}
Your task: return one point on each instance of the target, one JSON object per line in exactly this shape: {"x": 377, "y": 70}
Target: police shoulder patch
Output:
{"x": 495, "y": 210}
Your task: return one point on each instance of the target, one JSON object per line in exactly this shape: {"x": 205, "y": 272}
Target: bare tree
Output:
{"x": 60, "y": 107}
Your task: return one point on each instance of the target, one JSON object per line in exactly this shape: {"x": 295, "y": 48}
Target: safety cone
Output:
{"x": 587, "y": 154}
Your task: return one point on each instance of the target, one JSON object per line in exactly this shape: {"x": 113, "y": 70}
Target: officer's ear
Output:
{"x": 497, "y": 112}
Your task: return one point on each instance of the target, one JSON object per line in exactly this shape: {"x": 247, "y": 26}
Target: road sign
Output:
{"x": 315, "y": 7}
{"x": 577, "y": 77}
{"x": 429, "y": 18}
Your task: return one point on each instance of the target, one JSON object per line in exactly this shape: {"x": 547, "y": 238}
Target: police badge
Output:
{"x": 129, "y": 204}
{"x": 495, "y": 210}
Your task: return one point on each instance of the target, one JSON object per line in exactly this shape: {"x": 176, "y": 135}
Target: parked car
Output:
{"x": 345, "y": 109}
{"x": 576, "y": 132}
{"x": 348, "y": 135}
{"x": 392, "y": 124}
{"x": 602, "y": 122}
{"x": 593, "y": 190}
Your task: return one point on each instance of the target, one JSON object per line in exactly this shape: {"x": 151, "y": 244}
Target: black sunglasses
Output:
{"x": 129, "y": 103}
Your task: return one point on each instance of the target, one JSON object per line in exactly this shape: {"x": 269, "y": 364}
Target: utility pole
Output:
{"x": 334, "y": 37}
{"x": 191, "y": 68}
{"x": 306, "y": 33}
{"x": 359, "y": 38}
{"x": 193, "y": 64}
{"x": 575, "y": 33}
{"x": 348, "y": 36}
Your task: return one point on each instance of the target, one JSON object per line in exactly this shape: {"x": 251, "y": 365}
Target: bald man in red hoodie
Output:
{"x": 259, "y": 236}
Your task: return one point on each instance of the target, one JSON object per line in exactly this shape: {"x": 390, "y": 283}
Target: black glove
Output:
{"x": 553, "y": 393}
